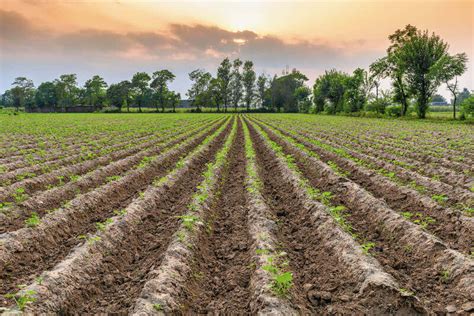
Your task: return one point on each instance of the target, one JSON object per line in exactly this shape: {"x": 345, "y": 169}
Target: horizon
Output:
{"x": 115, "y": 39}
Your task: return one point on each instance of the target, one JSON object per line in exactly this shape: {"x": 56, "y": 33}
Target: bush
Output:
{"x": 393, "y": 110}
{"x": 468, "y": 106}
{"x": 110, "y": 109}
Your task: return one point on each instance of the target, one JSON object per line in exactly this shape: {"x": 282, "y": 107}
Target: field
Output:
{"x": 262, "y": 213}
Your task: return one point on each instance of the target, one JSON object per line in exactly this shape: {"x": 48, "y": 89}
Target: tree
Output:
{"x": 464, "y": 94}
{"x": 283, "y": 91}
{"x": 390, "y": 66}
{"x": 236, "y": 84}
{"x": 261, "y": 88}
{"x": 249, "y": 77}
{"x": 140, "y": 88}
{"x": 118, "y": 94}
{"x": 173, "y": 99}
{"x": 427, "y": 64}
{"x": 354, "y": 94}
{"x": 438, "y": 98}
{"x": 213, "y": 93}
{"x": 451, "y": 68}
{"x": 199, "y": 89}
{"x": 46, "y": 95}
{"x": 160, "y": 85}
{"x": 302, "y": 99}
{"x": 224, "y": 76}
{"x": 22, "y": 92}
{"x": 329, "y": 90}
{"x": 67, "y": 90}
{"x": 468, "y": 106}
{"x": 95, "y": 92}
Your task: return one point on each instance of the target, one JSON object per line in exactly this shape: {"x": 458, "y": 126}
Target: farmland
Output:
{"x": 254, "y": 213}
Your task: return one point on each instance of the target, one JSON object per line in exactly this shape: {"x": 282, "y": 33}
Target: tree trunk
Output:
{"x": 454, "y": 106}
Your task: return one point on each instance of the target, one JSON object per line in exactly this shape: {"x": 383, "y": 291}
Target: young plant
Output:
{"x": 366, "y": 247}
{"x": 189, "y": 221}
{"x": 22, "y": 298}
{"x": 20, "y": 195}
{"x": 282, "y": 280}
{"x": 440, "y": 198}
{"x": 33, "y": 220}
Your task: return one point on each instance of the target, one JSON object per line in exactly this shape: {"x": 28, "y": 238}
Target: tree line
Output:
{"x": 417, "y": 63}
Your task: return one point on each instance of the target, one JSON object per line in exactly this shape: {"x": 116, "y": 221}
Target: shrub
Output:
{"x": 468, "y": 106}
{"x": 393, "y": 110}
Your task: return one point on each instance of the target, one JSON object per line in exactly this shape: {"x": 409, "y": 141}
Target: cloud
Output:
{"x": 15, "y": 27}
{"x": 31, "y": 50}
{"x": 178, "y": 42}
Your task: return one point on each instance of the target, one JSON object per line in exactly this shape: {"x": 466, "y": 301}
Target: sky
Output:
{"x": 42, "y": 39}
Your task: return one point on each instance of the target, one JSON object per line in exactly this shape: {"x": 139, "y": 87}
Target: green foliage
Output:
{"x": 22, "y": 298}
{"x": 33, "y": 221}
{"x": 189, "y": 221}
{"x": 366, "y": 247}
{"x": 282, "y": 280}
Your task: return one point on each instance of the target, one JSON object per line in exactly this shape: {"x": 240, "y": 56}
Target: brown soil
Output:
{"x": 222, "y": 267}
{"x": 120, "y": 280}
{"x": 449, "y": 226}
{"x": 414, "y": 271}
{"x": 321, "y": 284}
{"x": 42, "y": 250}
{"x": 54, "y": 198}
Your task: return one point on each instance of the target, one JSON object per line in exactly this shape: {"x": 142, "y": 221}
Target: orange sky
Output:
{"x": 91, "y": 36}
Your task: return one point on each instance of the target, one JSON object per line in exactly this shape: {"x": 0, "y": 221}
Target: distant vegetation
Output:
{"x": 417, "y": 63}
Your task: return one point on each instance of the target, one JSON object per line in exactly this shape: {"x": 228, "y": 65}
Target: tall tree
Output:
{"x": 354, "y": 94}
{"x": 140, "y": 88}
{"x": 46, "y": 95}
{"x": 283, "y": 91}
{"x": 261, "y": 88}
{"x": 390, "y": 66}
{"x": 95, "y": 91}
{"x": 67, "y": 90}
{"x": 427, "y": 64}
{"x": 198, "y": 91}
{"x": 173, "y": 99}
{"x": 118, "y": 94}
{"x": 236, "y": 84}
{"x": 249, "y": 83}
{"x": 451, "y": 68}
{"x": 329, "y": 90}
{"x": 22, "y": 92}
{"x": 160, "y": 82}
{"x": 224, "y": 75}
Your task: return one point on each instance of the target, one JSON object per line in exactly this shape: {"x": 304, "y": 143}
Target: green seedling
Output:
{"x": 406, "y": 292}
{"x": 189, "y": 221}
{"x": 20, "y": 195}
{"x": 282, "y": 280}
{"x": 112, "y": 178}
{"x": 440, "y": 198}
{"x": 366, "y": 247}
{"x": 121, "y": 212}
{"x": 33, "y": 220}
{"x": 22, "y": 298}
{"x": 158, "y": 307}
{"x": 102, "y": 226}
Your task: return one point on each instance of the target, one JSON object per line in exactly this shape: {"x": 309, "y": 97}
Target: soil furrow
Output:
{"x": 456, "y": 194}
{"x": 449, "y": 225}
{"x": 221, "y": 265}
{"x": 107, "y": 276}
{"x": 54, "y": 198}
{"x": 28, "y": 251}
{"x": 331, "y": 273}
{"x": 439, "y": 276}
{"x": 41, "y": 181}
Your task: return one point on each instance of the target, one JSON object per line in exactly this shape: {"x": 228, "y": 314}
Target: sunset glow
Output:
{"x": 88, "y": 37}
